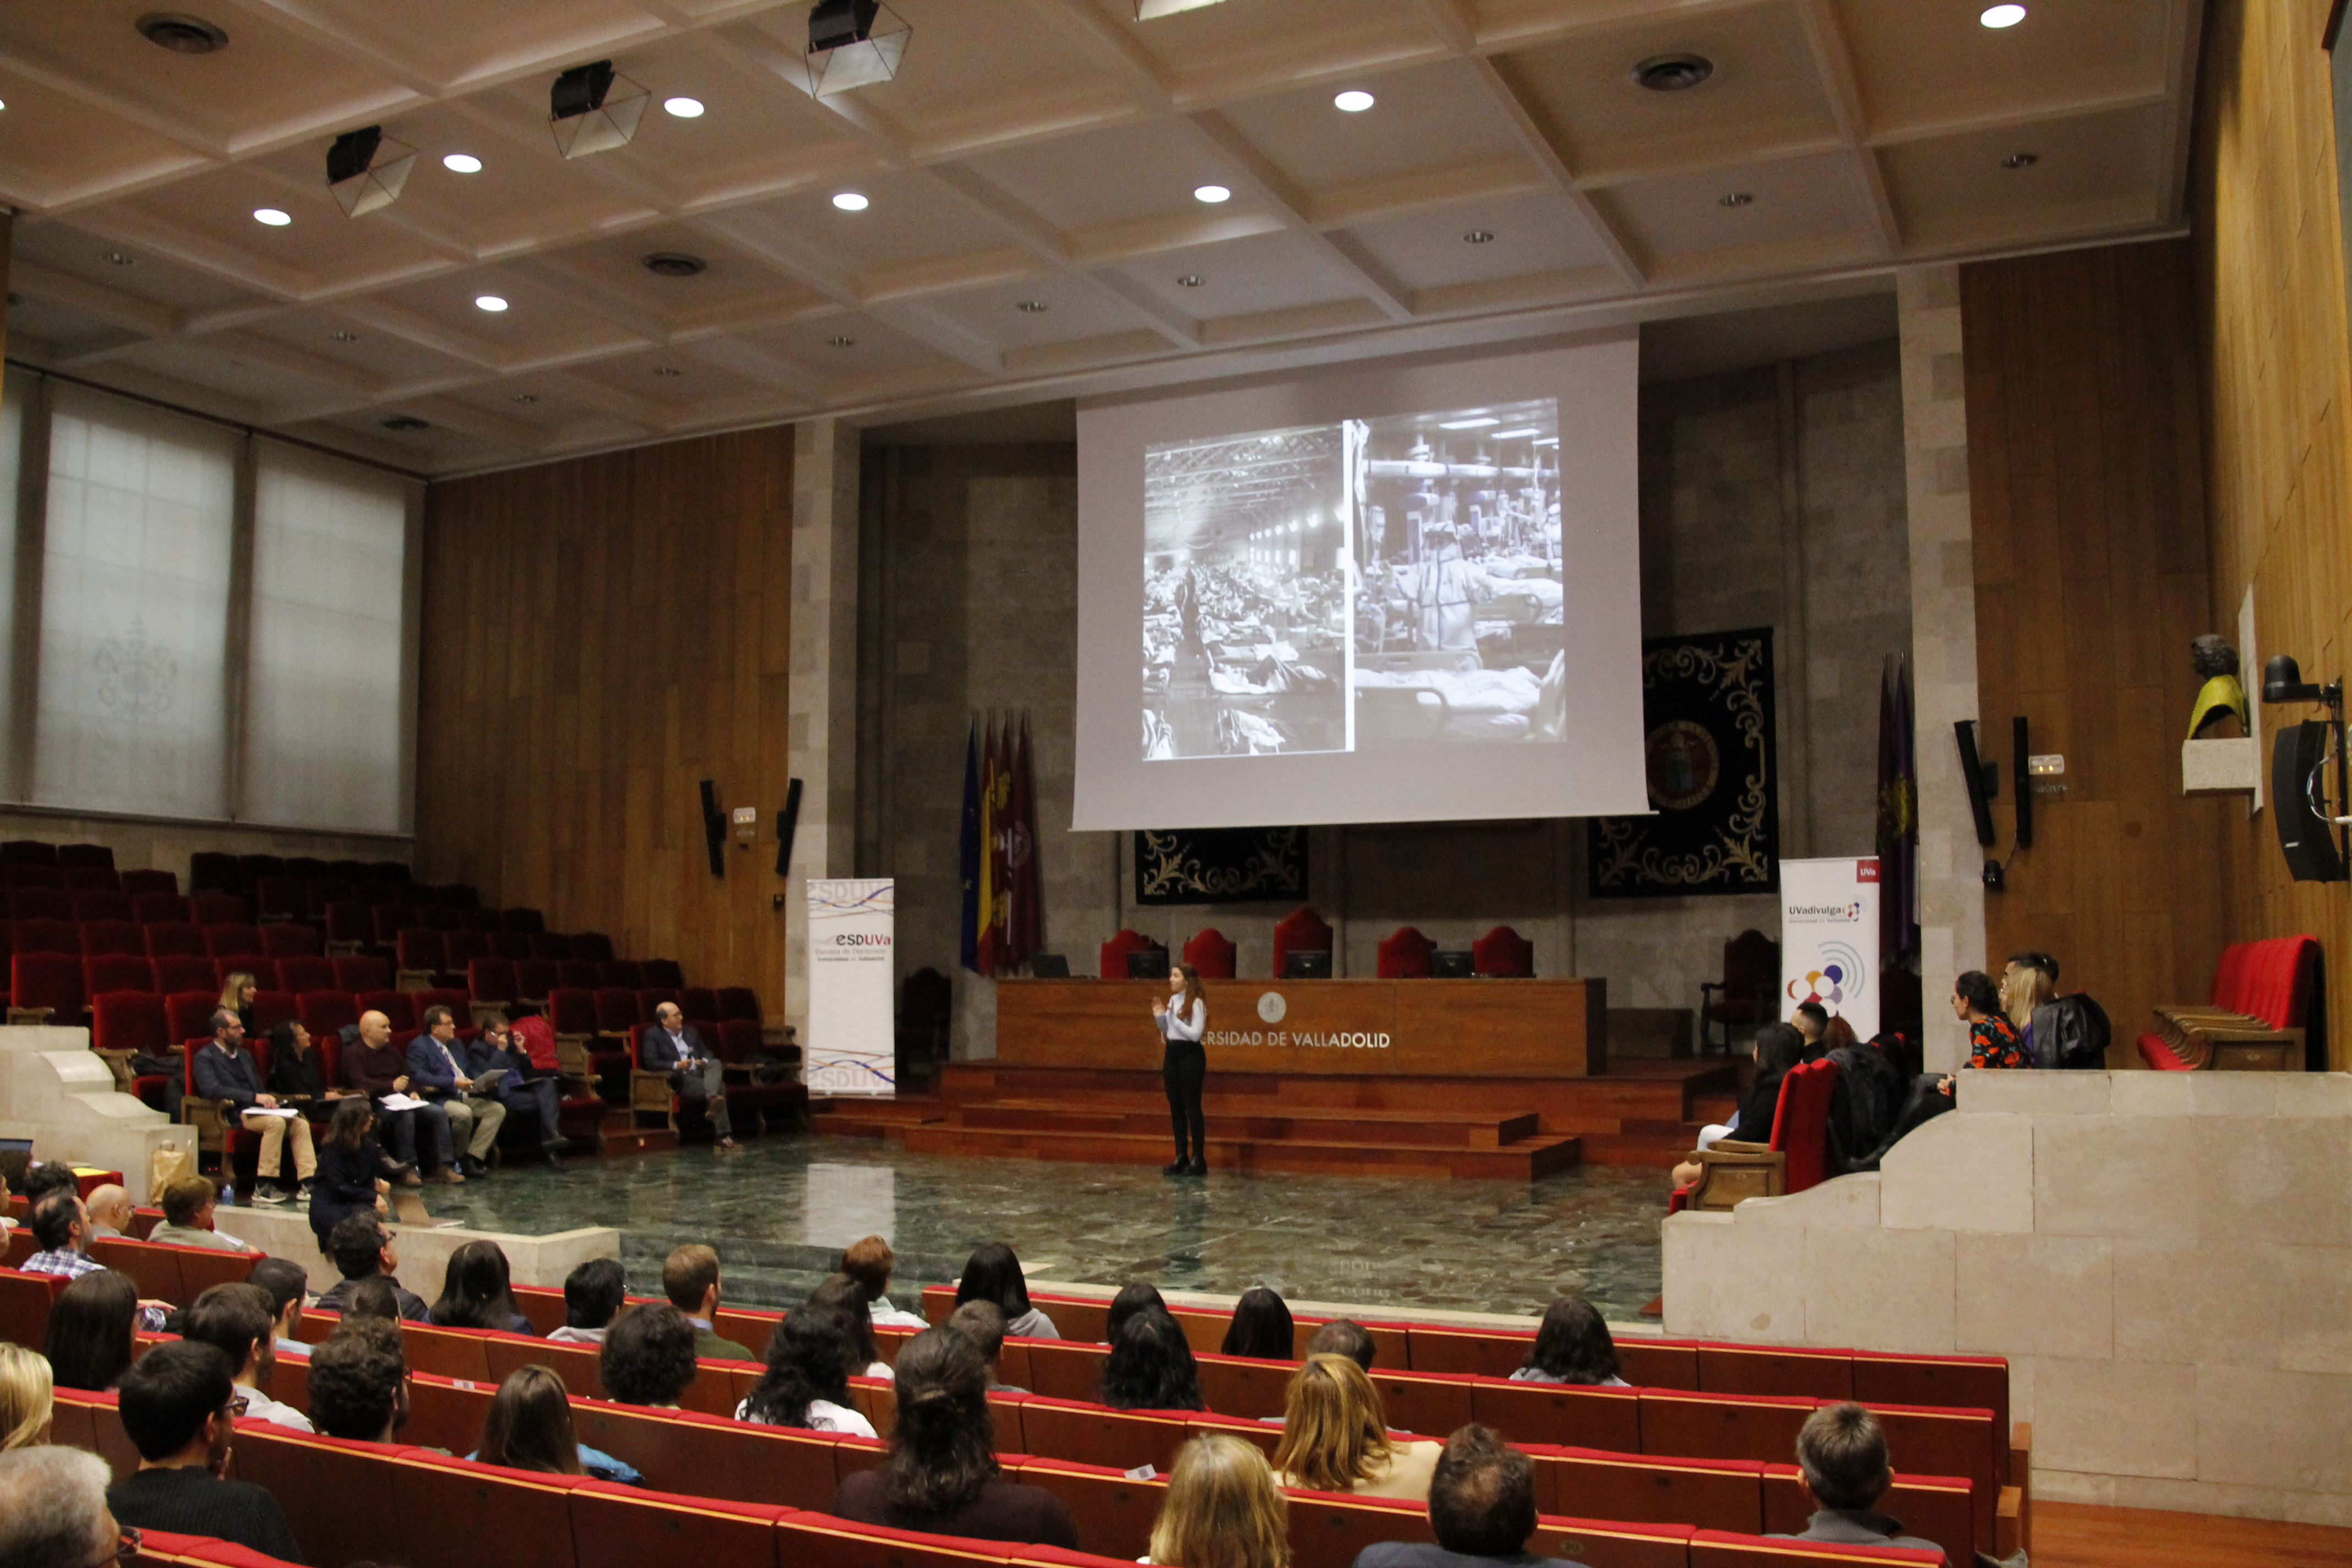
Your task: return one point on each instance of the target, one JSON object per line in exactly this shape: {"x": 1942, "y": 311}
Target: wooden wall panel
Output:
{"x": 600, "y": 635}
{"x": 2278, "y": 369}
{"x": 2086, "y": 473}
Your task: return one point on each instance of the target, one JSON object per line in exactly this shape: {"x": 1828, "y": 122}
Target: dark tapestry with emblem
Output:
{"x": 1707, "y": 705}
{"x": 1220, "y": 864}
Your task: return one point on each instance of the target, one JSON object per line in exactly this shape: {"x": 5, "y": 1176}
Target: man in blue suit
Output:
{"x": 695, "y": 1071}
{"x": 495, "y": 1048}
{"x": 436, "y": 1075}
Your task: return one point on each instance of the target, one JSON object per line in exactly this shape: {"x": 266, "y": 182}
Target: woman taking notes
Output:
{"x": 1183, "y": 1018}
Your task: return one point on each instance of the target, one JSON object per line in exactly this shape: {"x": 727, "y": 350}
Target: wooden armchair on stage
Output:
{"x": 1797, "y": 1158}
{"x": 1212, "y": 954}
{"x": 1302, "y": 931}
{"x": 1405, "y": 954}
{"x": 1503, "y": 954}
{"x": 1743, "y": 998}
{"x": 2263, "y": 999}
{"x": 1115, "y": 952}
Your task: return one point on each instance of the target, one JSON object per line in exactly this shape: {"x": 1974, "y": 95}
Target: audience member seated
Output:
{"x": 108, "y": 1209}
{"x": 809, "y": 1358}
{"x": 1261, "y": 1327}
{"x": 690, "y": 1280}
{"x": 375, "y": 1298}
{"x": 283, "y": 1281}
{"x": 188, "y": 1204}
{"x": 838, "y": 1292}
{"x": 1151, "y": 1367}
{"x": 523, "y": 1089}
{"x": 1572, "y": 1345}
{"x": 53, "y": 1511}
{"x": 347, "y": 1183}
{"x": 1777, "y": 1048}
{"x": 476, "y": 1292}
{"x": 1843, "y": 1453}
{"x": 994, "y": 1274}
{"x": 1335, "y": 1436}
{"x": 1344, "y": 1336}
{"x": 1222, "y": 1510}
{"x": 1994, "y": 1043}
{"x": 696, "y": 1074}
{"x": 436, "y": 1075}
{"x": 93, "y": 1331}
{"x": 649, "y": 1358}
{"x": 1811, "y": 1020}
{"x": 376, "y": 1067}
{"x": 298, "y": 1073}
{"x": 2030, "y": 980}
{"x": 49, "y": 1177}
{"x": 1481, "y": 1509}
{"x": 362, "y": 1248}
{"x": 868, "y": 1263}
{"x": 941, "y": 1476}
{"x": 61, "y": 1231}
{"x": 1137, "y": 1297}
{"x": 235, "y": 1320}
{"x": 529, "y": 1427}
{"x": 592, "y": 1294}
{"x": 358, "y": 1382}
{"x": 27, "y": 1398}
{"x": 177, "y": 1410}
{"x": 225, "y": 1070}
{"x": 239, "y": 994}
{"x": 984, "y": 1325}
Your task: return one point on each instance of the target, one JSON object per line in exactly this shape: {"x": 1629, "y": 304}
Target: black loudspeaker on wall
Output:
{"x": 788, "y": 821}
{"x": 714, "y": 828}
{"x": 2306, "y": 840}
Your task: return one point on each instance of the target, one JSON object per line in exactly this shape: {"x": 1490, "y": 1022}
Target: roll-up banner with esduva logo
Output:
{"x": 1829, "y": 939}
{"x": 852, "y": 1025}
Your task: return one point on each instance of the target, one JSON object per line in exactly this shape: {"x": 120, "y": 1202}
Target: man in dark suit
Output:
{"x": 695, "y": 1071}
{"x": 1481, "y": 1509}
{"x": 225, "y": 1071}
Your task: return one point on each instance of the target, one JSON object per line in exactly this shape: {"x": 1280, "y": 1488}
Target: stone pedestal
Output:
{"x": 56, "y": 1091}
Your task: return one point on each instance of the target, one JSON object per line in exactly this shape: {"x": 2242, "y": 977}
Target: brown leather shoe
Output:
{"x": 448, "y": 1177}
{"x": 409, "y": 1179}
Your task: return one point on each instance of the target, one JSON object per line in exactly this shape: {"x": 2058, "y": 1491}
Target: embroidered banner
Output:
{"x": 1707, "y": 705}
{"x": 1220, "y": 864}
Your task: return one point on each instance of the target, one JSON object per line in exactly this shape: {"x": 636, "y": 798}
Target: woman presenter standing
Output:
{"x": 1184, "y": 1019}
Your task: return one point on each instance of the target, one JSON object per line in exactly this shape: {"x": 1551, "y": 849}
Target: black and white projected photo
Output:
{"x": 1459, "y": 630}
{"x": 1245, "y": 595}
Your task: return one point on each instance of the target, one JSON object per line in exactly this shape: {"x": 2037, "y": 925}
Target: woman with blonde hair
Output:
{"x": 26, "y": 1399}
{"x": 1222, "y": 1510}
{"x": 1335, "y": 1436}
{"x": 238, "y": 993}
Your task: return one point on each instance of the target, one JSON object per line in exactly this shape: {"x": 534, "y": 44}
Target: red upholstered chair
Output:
{"x": 554, "y": 946}
{"x": 1748, "y": 996}
{"x": 581, "y": 974}
{"x": 86, "y": 856}
{"x": 1405, "y": 954}
{"x": 356, "y": 973}
{"x": 387, "y": 922}
{"x": 97, "y": 905}
{"x": 461, "y": 948}
{"x": 117, "y": 972}
{"x": 273, "y": 1008}
{"x": 420, "y": 956}
{"x": 218, "y": 909}
{"x": 535, "y": 977}
{"x": 160, "y": 908}
{"x": 739, "y": 1002}
{"x": 263, "y": 970}
{"x": 319, "y": 892}
{"x": 39, "y": 904}
{"x": 189, "y": 1015}
{"x": 2260, "y": 1005}
{"x": 490, "y": 980}
{"x": 148, "y": 881}
{"x": 522, "y": 919}
{"x": 45, "y": 936}
{"x": 92, "y": 880}
{"x": 1797, "y": 1158}
{"x": 698, "y": 1002}
{"x": 616, "y": 1010}
{"x": 100, "y": 938}
{"x": 440, "y": 997}
{"x": 1209, "y": 952}
{"x": 350, "y": 926}
{"x": 170, "y": 939}
{"x": 623, "y": 972}
{"x": 592, "y": 945}
{"x": 663, "y": 971}
{"x": 185, "y": 972}
{"x": 298, "y": 974}
{"x": 436, "y": 918}
{"x": 1503, "y": 953}
{"x": 228, "y": 941}
{"x": 456, "y": 896}
{"x": 27, "y": 852}
{"x": 289, "y": 940}
{"x": 398, "y": 1007}
{"x": 217, "y": 1131}
{"x": 44, "y": 988}
{"x": 279, "y": 897}
{"x": 480, "y": 919}
{"x": 131, "y": 1023}
{"x": 1300, "y": 931}
{"x": 1115, "y": 952}
{"x": 21, "y": 875}
{"x": 652, "y": 997}
{"x": 209, "y": 870}
{"x": 511, "y": 945}
{"x": 326, "y": 1013}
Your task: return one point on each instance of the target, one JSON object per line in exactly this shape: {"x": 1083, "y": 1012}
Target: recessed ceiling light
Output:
{"x": 668, "y": 370}
{"x": 461, "y": 162}
{"x": 675, "y": 264}
{"x": 1212, "y": 195}
{"x": 275, "y": 217}
{"x": 1034, "y": 307}
{"x": 491, "y": 303}
{"x": 1673, "y": 73}
{"x": 1152, "y": 10}
{"x": 2002, "y": 15}
{"x": 850, "y": 200}
{"x": 340, "y": 336}
{"x": 2021, "y": 160}
{"x": 1481, "y": 423}
{"x": 1355, "y": 100}
{"x": 117, "y": 258}
{"x": 838, "y": 341}
{"x": 525, "y": 398}
{"x": 1191, "y": 280}
{"x": 404, "y": 422}
{"x": 1733, "y": 199}
{"x": 1516, "y": 434}
{"x": 682, "y": 107}
{"x": 181, "y": 34}
{"x": 1547, "y": 441}
{"x": 1479, "y": 237}
{"x": 3, "y": 104}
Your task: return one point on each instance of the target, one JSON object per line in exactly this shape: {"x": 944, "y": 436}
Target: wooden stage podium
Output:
{"x": 1501, "y": 1078}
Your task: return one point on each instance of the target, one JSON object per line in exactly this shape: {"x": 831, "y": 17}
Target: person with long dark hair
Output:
{"x": 529, "y": 1427}
{"x": 1572, "y": 1345}
{"x": 93, "y": 1326}
{"x": 1150, "y": 1367}
{"x": 349, "y": 1156}
{"x": 942, "y": 1475}
{"x": 840, "y": 1293}
{"x": 1261, "y": 1327}
{"x": 809, "y": 1358}
{"x": 994, "y": 1274}
{"x": 1184, "y": 1019}
{"x": 476, "y": 1292}
{"x": 1778, "y": 1048}
{"x": 1137, "y": 1297}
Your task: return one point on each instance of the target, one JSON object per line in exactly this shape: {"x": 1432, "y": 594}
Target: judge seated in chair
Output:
{"x": 674, "y": 1047}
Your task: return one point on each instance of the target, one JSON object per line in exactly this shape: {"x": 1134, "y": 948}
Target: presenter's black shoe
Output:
{"x": 1179, "y": 1169}
{"x": 1200, "y": 1168}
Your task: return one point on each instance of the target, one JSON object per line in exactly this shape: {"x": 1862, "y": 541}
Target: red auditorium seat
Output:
{"x": 664, "y": 972}
{"x": 184, "y": 972}
{"x": 85, "y": 857}
{"x": 1503, "y": 953}
{"x": 326, "y": 1013}
{"x": 627, "y": 974}
{"x": 148, "y": 881}
{"x": 47, "y": 980}
{"x": 419, "y": 952}
{"x": 227, "y": 940}
{"x": 167, "y": 939}
{"x": 1797, "y": 1158}
{"x": 320, "y": 892}
{"x": 652, "y": 997}
{"x": 160, "y": 908}
{"x": 358, "y": 973}
{"x": 100, "y": 938}
{"x": 90, "y": 906}
{"x": 1405, "y": 954}
{"x": 209, "y": 870}
{"x": 535, "y": 977}
{"x": 522, "y": 919}
{"x": 263, "y": 970}
{"x": 479, "y": 919}
{"x": 1300, "y": 931}
{"x": 616, "y": 1010}
{"x": 1115, "y": 952}
{"x": 367, "y": 895}
{"x": 458, "y": 896}
{"x": 289, "y": 941}
{"x": 437, "y": 918}
{"x": 27, "y": 852}
{"x": 492, "y": 980}
{"x": 45, "y": 936}
{"x": 280, "y": 898}
{"x": 188, "y": 1014}
{"x": 510, "y": 945}
{"x": 39, "y": 904}
{"x": 592, "y": 945}
{"x": 298, "y": 974}
{"x": 116, "y": 971}
{"x": 571, "y": 1011}
{"x": 1210, "y": 953}
{"x": 387, "y": 922}
{"x": 699, "y": 1002}
{"x": 579, "y": 973}
{"x": 252, "y": 868}
{"x": 217, "y": 908}
{"x": 93, "y": 879}
{"x": 26, "y": 876}
{"x": 550, "y": 946}
{"x": 441, "y": 996}
{"x": 273, "y": 1008}
{"x": 461, "y": 948}
{"x": 398, "y": 1007}
{"x": 2260, "y": 1003}
{"x": 128, "y": 1020}
{"x": 349, "y": 925}
{"x": 739, "y": 1002}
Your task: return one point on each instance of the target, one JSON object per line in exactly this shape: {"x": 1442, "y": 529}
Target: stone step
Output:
{"x": 1522, "y": 1161}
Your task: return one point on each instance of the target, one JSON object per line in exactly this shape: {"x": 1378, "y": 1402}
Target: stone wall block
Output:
{"x": 1961, "y": 1171}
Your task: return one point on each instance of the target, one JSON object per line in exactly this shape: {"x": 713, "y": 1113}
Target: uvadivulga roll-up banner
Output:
{"x": 852, "y": 1023}
{"x": 1829, "y": 939}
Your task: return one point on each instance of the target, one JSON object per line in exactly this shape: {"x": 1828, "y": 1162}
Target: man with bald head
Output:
{"x": 108, "y": 1208}
{"x": 376, "y": 1067}
{"x": 695, "y": 1071}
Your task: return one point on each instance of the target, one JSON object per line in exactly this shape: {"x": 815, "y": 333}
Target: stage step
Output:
{"x": 1523, "y": 1161}
{"x": 859, "y": 1116}
{"x": 1237, "y": 1117}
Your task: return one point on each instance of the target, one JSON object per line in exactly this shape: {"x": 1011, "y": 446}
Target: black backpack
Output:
{"x": 1869, "y": 1095}
{"x": 2071, "y": 1033}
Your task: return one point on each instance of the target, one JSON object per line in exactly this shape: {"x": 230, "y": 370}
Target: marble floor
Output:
{"x": 780, "y": 1210}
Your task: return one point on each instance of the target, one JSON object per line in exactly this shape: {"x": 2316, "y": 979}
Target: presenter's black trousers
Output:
{"x": 1183, "y": 1068}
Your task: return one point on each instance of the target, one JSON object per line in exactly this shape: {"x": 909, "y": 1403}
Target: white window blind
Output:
{"x": 135, "y": 610}
{"x": 323, "y": 726}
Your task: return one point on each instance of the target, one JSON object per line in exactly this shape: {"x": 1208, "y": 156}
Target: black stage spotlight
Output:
{"x": 854, "y": 43}
{"x": 366, "y": 170}
{"x": 592, "y": 109}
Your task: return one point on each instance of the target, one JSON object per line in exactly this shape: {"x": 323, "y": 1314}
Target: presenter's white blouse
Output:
{"x": 1186, "y": 1026}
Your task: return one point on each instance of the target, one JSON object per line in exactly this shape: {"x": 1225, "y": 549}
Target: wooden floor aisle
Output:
{"x": 2075, "y": 1535}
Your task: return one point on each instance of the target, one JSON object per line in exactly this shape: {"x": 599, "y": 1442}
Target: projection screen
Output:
{"x": 1387, "y": 591}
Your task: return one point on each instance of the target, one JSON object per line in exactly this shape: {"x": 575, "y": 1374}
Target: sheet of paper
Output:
{"x": 400, "y": 1102}
{"x": 270, "y": 1111}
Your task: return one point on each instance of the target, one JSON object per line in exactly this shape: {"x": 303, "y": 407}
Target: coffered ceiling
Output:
{"x": 1031, "y": 227}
